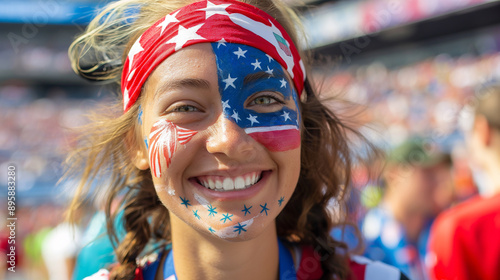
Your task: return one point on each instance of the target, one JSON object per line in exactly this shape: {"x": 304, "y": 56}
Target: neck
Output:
{"x": 204, "y": 256}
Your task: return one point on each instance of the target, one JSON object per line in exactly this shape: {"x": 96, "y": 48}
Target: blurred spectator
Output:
{"x": 422, "y": 98}
{"x": 61, "y": 245}
{"x": 418, "y": 186}
{"x": 97, "y": 249}
{"x": 464, "y": 241}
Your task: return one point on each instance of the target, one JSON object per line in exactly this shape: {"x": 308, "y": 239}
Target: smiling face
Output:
{"x": 220, "y": 124}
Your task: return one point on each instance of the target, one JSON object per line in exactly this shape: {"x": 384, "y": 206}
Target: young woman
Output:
{"x": 226, "y": 156}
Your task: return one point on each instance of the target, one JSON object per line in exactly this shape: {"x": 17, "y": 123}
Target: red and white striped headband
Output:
{"x": 223, "y": 21}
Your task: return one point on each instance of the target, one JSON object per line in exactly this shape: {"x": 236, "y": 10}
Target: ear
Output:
{"x": 483, "y": 130}
{"x": 137, "y": 151}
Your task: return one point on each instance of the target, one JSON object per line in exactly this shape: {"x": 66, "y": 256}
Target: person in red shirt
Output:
{"x": 464, "y": 241}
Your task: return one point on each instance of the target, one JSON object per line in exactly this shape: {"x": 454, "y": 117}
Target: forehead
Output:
{"x": 189, "y": 62}
{"x": 210, "y": 61}
{"x": 246, "y": 64}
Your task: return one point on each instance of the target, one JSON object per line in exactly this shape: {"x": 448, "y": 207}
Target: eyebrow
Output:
{"x": 183, "y": 83}
{"x": 259, "y": 76}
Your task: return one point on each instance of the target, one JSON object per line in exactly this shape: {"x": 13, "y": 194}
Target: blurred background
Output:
{"x": 414, "y": 66}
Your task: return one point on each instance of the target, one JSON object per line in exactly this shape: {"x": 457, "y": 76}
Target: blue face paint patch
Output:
{"x": 244, "y": 71}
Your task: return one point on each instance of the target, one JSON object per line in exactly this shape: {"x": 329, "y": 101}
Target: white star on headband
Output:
{"x": 270, "y": 57}
{"x": 130, "y": 75}
{"x": 229, "y": 81}
{"x": 136, "y": 48}
{"x": 214, "y": 9}
{"x": 221, "y": 42}
{"x": 240, "y": 52}
{"x": 184, "y": 35}
{"x": 168, "y": 19}
{"x": 267, "y": 33}
{"x": 126, "y": 98}
{"x": 256, "y": 64}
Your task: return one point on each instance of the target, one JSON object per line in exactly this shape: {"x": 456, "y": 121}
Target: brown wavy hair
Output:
{"x": 105, "y": 145}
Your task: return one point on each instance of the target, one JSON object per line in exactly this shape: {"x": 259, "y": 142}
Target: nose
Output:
{"x": 228, "y": 139}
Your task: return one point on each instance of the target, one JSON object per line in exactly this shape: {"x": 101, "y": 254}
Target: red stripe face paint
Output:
{"x": 276, "y": 138}
{"x": 164, "y": 139}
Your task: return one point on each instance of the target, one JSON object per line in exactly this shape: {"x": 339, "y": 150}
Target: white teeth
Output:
{"x": 239, "y": 183}
{"x": 211, "y": 184}
{"x": 218, "y": 185}
{"x": 248, "y": 181}
{"x": 228, "y": 184}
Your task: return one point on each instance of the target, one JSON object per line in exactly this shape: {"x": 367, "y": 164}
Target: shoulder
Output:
{"x": 147, "y": 268}
{"x": 103, "y": 274}
{"x": 366, "y": 269}
{"x": 361, "y": 268}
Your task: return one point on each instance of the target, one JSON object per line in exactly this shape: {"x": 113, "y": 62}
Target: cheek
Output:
{"x": 288, "y": 166}
{"x": 165, "y": 138}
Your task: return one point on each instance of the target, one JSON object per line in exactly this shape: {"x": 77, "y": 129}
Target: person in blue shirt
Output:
{"x": 418, "y": 185}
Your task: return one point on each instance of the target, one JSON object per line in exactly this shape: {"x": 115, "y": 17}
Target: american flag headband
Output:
{"x": 223, "y": 21}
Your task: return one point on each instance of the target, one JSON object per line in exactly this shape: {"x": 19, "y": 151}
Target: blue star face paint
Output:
{"x": 256, "y": 95}
{"x": 264, "y": 208}
{"x": 280, "y": 201}
{"x": 139, "y": 115}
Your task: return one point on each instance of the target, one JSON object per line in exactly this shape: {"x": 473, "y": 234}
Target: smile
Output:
{"x": 221, "y": 183}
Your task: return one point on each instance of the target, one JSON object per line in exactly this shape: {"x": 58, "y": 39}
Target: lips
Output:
{"x": 223, "y": 183}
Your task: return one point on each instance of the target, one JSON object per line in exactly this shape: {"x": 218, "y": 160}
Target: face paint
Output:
{"x": 280, "y": 201}
{"x": 264, "y": 208}
{"x": 196, "y": 215}
{"x": 246, "y": 209}
{"x": 240, "y": 74}
{"x": 164, "y": 137}
{"x": 185, "y": 202}
{"x": 226, "y": 217}
{"x": 139, "y": 116}
{"x": 230, "y": 231}
{"x": 239, "y": 228}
